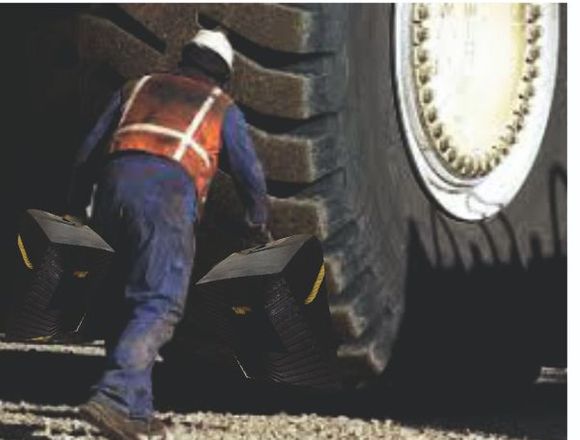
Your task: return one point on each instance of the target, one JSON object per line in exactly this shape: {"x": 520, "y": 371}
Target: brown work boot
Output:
{"x": 117, "y": 426}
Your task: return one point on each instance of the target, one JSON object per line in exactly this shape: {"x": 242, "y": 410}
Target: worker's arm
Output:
{"x": 238, "y": 158}
{"x": 89, "y": 158}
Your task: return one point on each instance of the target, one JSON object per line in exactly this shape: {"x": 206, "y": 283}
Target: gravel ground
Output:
{"x": 40, "y": 403}
{"x": 23, "y": 421}
{"x": 27, "y": 421}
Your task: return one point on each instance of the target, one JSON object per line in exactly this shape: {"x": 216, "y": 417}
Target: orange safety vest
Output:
{"x": 175, "y": 117}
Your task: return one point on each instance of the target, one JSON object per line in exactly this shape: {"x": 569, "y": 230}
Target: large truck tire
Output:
{"x": 411, "y": 288}
{"x": 469, "y": 291}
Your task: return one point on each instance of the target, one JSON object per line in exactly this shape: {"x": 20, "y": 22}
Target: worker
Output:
{"x": 162, "y": 137}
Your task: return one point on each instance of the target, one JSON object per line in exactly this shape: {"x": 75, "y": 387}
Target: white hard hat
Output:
{"x": 217, "y": 42}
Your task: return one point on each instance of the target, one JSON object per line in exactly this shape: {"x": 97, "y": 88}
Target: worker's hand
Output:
{"x": 264, "y": 234}
{"x": 257, "y": 235}
{"x": 77, "y": 220}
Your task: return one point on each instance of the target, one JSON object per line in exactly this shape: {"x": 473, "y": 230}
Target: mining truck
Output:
{"x": 423, "y": 144}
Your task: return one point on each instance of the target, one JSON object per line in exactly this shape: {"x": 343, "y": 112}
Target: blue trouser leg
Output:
{"x": 149, "y": 220}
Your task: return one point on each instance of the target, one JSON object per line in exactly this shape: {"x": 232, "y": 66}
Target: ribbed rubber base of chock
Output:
{"x": 275, "y": 318}
{"x": 60, "y": 264}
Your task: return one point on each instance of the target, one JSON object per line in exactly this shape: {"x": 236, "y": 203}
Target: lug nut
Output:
{"x": 437, "y": 131}
{"x": 517, "y": 122}
{"x": 420, "y": 34}
{"x": 475, "y": 168}
{"x": 533, "y": 54}
{"x": 458, "y": 163}
{"x": 522, "y": 108}
{"x": 527, "y": 91}
{"x": 423, "y": 75}
{"x": 484, "y": 167}
{"x": 531, "y": 73}
{"x": 534, "y": 12}
{"x": 503, "y": 148}
{"x": 491, "y": 161}
{"x": 450, "y": 155}
{"x": 420, "y": 12}
{"x": 426, "y": 95}
{"x": 467, "y": 169}
{"x": 431, "y": 115}
{"x": 421, "y": 55}
{"x": 509, "y": 136}
{"x": 444, "y": 144}
{"x": 534, "y": 34}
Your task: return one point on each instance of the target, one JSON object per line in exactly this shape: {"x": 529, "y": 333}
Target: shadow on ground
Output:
{"x": 39, "y": 378}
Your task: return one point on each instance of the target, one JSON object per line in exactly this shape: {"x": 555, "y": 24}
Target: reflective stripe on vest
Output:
{"x": 134, "y": 94}
{"x": 186, "y": 138}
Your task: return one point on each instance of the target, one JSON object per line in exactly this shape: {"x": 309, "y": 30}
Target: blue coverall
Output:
{"x": 145, "y": 208}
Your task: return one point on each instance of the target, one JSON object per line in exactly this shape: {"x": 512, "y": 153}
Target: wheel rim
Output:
{"x": 475, "y": 85}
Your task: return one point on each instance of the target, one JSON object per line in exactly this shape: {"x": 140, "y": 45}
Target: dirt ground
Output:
{"x": 41, "y": 386}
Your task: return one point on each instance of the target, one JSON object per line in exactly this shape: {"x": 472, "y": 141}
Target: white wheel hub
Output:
{"x": 475, "y": 85}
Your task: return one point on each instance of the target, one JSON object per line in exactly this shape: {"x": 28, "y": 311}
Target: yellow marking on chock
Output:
{"x": 25, "y": 258}
{"x": 316, "y": 287}
{"x": 241, "y": 310}
{"x": 80, "y": 273}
